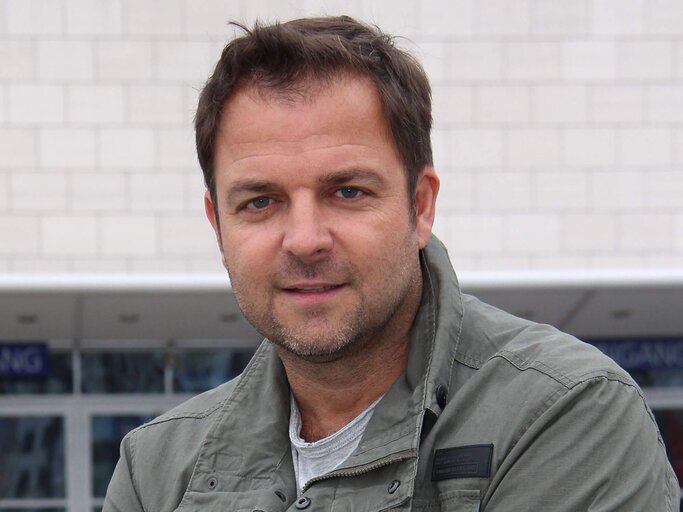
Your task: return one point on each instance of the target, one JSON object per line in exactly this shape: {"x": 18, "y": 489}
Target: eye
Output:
{"x": 259, "y": 203}
{"x": 349, "y": 192}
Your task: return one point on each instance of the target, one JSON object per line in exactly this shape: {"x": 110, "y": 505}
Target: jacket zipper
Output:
{"x": 391, "y": 459}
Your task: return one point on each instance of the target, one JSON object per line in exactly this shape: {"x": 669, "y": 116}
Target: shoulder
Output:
{"x": 162, "y": 453}
{"x": 492, "y": 337}
{"x": 197, "y": 407}
{"x": 189, "y": 420}
{"x": 540, "y": 395}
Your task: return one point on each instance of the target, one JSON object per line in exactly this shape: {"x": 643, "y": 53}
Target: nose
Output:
{"x": 306, "y": 233}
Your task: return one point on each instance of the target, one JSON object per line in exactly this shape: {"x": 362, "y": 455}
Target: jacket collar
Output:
{"x": 250, "y": 436}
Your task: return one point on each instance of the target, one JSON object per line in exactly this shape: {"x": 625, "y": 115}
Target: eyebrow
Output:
{"x": 247, "y": 186}
{"x": 354, "y": 174}
{"x": 251, "y": 186}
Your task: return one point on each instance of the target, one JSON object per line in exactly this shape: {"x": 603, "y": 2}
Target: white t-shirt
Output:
{"x": 322, "y": 456}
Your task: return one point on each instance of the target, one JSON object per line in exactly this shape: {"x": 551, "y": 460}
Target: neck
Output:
{"x": 330, "y": 394}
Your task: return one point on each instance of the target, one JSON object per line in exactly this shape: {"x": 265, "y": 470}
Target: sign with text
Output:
{"x": 644, "y": 354}
{"x": 23, "y": 360}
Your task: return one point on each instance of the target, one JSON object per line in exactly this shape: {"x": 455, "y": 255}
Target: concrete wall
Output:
{"x": 558, "y": 129}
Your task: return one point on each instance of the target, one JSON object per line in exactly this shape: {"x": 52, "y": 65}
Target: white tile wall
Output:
{"x": 128, "y": 235}
{"x": 533, "y": 148}
{"x": 72, "y": 235}
{"x": 665, "y": 103}
{"x": 584, "y": 147}
{"x": 132, "y": 147}
{"x": 531, "y": 234}
{"x": 95, "y": 104}
{"x": 67, "y": 148}
{"x": 558, "y": 129}
{"x": 503, "y": 105}
{"x": 560, "y": 191}
{"x": 645, "y": 60}
{"x": 186, "y": 235}
{"x": 156, "y": 105}
{"x": 4, "y": 193}
{"x": 559, "y": 17}
{"x": 124, "y": 61}
{"x": 589, "y": 61}
{"x": 98, "y": 192}
{"x": 645, "y": 232}
{"x": 210, "y": 17}
{"x": 476, "y": 148}
{"x": 18, "y": 148}
{"x": 645, "y": 147}
{"x": 446, "y": 19}
{"x": 60, "y": 61}
{"x": 38, "y": 192}
{"x": 589, "y": 233}
{"x": 617, "y": 104}
{"x": 503, "y": 191}
{"x": 153, "y": 18}
{"x": 37, "y": 105}
{"x": 476, "y": 61}
{"x": 501, "y": 18}
{"x": 94, "y": 18}
{"x": 560, "y": 104}
{"x": 664, "y": 17}
{"x": 616, "y": 190}
{"x": 663, "y": 190}
{"x": 156, "y": 192}
{"x": 532, "y": 60}
{"x": 17, "y": 61}
{"x": 34, "y": 17}
{"x": 20, "y": 235}
{"x": 618, "y": 17}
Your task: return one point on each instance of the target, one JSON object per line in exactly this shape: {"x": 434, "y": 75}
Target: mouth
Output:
{"x": 313, "y": 294}
{"x": 313, "y": 289}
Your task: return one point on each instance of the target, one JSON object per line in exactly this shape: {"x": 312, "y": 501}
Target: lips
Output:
{"x": 313, "y": 289}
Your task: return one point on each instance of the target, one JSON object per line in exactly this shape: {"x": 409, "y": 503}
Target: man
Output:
{"x": 380, "y": 386}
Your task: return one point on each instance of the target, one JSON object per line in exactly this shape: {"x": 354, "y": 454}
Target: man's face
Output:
{"x": 314, "y": 221}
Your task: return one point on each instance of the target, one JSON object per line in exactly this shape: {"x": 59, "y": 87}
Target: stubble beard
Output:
{"x": 361, "y": 325}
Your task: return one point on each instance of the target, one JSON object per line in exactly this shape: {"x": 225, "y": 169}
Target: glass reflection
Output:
{"x": 199, "y": 370}
{"x": 32, "y": 457}
{"x": 123, "y": 372}
{"x": 107, "y": 433}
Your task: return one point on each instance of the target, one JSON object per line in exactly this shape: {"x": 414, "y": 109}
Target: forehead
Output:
{"x": 343, "y": 111}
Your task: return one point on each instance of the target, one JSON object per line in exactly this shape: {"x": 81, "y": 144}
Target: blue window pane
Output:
{"x": 32, "y": 457}
{"x": 123, "y": 372}
{"x": 107, "y": 433}
{"x": 199, "y": 370}
{"x": 59, "y": 379}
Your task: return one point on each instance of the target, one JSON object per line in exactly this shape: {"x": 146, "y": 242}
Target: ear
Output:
{"x": 426, "y": 190}
{"x": 212, "y": 214}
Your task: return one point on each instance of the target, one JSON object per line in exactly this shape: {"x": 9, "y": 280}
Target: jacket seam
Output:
{"x": 564, "y": 380}
{"x": 134, "y": 479}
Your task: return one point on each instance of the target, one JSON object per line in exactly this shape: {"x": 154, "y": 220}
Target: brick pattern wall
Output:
{"x": 558, "y": 129}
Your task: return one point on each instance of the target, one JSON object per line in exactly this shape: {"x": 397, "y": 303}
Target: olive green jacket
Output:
{"x": 493, "y": 413}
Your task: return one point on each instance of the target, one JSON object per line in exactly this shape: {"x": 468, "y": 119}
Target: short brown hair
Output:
{"x": 283, "y": 57}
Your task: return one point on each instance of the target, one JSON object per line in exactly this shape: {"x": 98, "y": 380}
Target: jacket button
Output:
{"x": 302, "y": 503}
{"x": 441, "y": 396}
{"x": 393, "y": 486}
{"x": 212, "y": 482}
{"x": 281, "y": 495}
